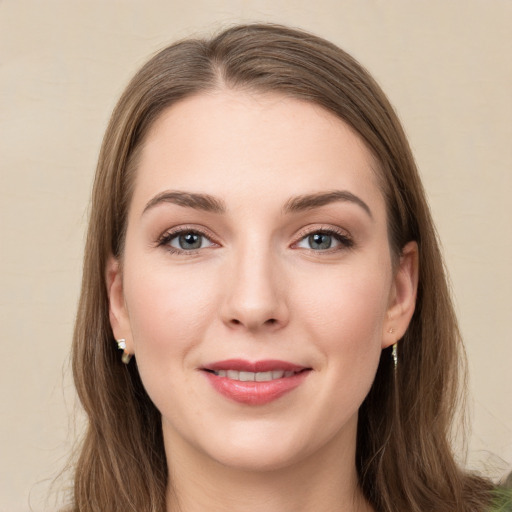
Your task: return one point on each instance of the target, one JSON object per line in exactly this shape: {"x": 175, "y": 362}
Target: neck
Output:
{"x": 323, "y": 482}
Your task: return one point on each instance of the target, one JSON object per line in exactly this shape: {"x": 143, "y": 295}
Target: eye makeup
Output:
{"x": 189, "y": 240}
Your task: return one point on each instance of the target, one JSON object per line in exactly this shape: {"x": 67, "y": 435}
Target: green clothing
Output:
{"x": 502, "y": 501}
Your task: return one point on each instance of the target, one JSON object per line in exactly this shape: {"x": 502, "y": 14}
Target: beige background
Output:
{"x": 447, "y": 67}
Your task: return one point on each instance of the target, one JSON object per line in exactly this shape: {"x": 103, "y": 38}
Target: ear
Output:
{"x": 118, "y": 314}
{"x": 402, "y": 299}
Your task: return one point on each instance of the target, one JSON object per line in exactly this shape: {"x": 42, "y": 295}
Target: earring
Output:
{"x": 394, "y": 354}
{"x": 391, "y": 330}
{"x": 121, "y": 345}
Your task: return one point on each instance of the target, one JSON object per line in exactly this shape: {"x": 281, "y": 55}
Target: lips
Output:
{"x": 253, "y": 376}
{"x": 254, "y": 383}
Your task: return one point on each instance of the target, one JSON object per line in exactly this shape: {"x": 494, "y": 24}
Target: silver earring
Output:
{"x": 394, "y": 353}
{"x": 121, "y": 345}
{"x": 391, "y": 330}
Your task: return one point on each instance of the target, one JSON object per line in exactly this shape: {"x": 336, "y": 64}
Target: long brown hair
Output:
{"x": 404, "y": 459}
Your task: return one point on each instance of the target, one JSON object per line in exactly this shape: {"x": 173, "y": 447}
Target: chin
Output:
{"x": 258, "y": 458}
{"x": 256, "y": 446}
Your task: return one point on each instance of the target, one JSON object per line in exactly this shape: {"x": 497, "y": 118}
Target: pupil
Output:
{"x": 320, "y": 241}
{"x": 190, "y": 241}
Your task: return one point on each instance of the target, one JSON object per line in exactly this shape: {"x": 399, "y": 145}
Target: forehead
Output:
{"x": 247, "y": 147}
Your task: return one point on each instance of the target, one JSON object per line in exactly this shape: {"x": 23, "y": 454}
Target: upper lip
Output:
{"x": 255, "y": 366}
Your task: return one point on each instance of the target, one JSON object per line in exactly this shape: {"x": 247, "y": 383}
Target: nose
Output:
{"x": 255, "y": 293}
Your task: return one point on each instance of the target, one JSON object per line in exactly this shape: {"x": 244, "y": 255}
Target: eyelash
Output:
{"x": 345, "y": 241}
{"x": 168, "y": 236}
{"x": 339, "y": 235}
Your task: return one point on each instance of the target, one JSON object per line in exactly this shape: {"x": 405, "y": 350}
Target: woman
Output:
{"x": 260, "y": 242}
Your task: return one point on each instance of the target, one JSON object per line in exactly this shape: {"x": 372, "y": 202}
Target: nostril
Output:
{"x": 270, "y": 321}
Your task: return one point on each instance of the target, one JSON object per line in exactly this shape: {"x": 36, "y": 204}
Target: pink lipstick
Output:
{"x": 254, "y": 383}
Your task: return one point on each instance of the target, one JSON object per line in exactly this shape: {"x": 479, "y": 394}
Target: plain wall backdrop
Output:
{"x": 446, "y": 66}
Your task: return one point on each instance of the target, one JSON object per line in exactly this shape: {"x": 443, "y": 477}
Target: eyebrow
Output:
{"x": 203, "y": 202}
{"x": 310, "y": 201}
{"x": 212, "y": 204}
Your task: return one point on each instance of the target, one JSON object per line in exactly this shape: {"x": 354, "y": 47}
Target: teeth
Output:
{"x": 247, "y": 376}
{"x": 263, "y": 376}
{"x": 254, "y": 376}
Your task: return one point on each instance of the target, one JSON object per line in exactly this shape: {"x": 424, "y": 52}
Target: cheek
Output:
{"x": 345, "y": 321}
{"x": 169, "y": 313}
{"x": 168, "y": 309}
{"x": 349, "y": 305}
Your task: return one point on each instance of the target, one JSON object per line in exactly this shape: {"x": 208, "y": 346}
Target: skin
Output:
{"x": 259, "y": 289}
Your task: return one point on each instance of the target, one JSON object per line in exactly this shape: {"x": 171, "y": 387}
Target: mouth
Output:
{"x": 253, "y": 376}
{"x": 255, "y": 383}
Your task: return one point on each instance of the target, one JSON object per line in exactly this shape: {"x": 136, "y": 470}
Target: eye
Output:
{"x": 185, "y": 241}
{"x": 324, "y": 240}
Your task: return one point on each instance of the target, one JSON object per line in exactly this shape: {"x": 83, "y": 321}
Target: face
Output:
{"x": 257, "y": 288}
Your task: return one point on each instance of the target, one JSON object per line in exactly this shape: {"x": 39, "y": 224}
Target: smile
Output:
{"x": 254, "y": 376}
{"x": 255, "y": 383}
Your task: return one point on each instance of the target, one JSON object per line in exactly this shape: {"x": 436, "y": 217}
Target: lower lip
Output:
{"x": 255, "y": 393}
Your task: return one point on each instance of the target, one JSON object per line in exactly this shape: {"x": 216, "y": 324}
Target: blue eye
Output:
{"x": 324, "y": 240}
{"x": 186, "y": 241}
{"x": 320, "y": 241}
